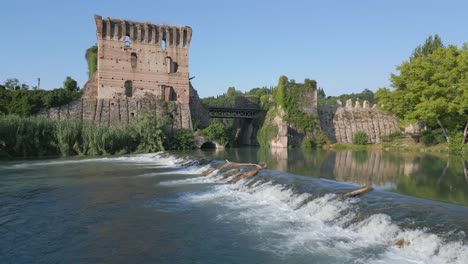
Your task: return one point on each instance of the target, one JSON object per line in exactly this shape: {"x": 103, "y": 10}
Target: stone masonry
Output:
{"x": 340, "y": 123}
{"x": 141, "y": 68}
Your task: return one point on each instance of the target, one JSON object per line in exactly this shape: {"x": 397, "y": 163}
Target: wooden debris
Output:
{"x": 229, "y": 164}
{"x": 401, "y": 243}
{"x": 207, "y": 172}
{"x": 230, "y": 172}
{"x": 359, "y": 192}
{"x": 245, "y": 175}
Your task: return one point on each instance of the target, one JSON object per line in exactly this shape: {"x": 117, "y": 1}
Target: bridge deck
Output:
{"x": 227, "y": 112}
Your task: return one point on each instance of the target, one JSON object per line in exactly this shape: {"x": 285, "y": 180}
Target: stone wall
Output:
{"x": 340, "y": 123}
{"x": 109, "y": 112}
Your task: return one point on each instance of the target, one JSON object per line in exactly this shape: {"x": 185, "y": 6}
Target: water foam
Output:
{"x": 159, "y": 159}
{"x": 291, "y": 222}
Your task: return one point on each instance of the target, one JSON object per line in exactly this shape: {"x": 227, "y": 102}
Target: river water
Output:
{"x": 156, "y": 208}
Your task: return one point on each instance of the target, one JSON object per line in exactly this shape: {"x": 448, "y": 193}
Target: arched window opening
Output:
{"x": 128, "y": 88}
{"x": 168, "y": 93}
{"x": 163, "y": 44}
{"x": 133, "y": 59}
{"x": 171, "y": 66}
{"x": 127, "y": 41}
{"x": 168, "y": 64}
{"x": 174, "y": 67}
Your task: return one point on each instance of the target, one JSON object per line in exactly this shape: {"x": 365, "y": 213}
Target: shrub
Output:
{"x": 360, "y": 138}
{"x": 433, "y": 137}
{"x": 218, "y": 132}
{"x": 181, "y": 140}
{"x": 266, "y": 133}
{"x": 149, "y": 133}
{"x": 456, "y": 145}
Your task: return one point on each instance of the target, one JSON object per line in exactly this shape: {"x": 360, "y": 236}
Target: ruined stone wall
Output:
{"x": 107, "y": 112}
{"x": 340, "y": 123}
{"x": 152, "y": 58}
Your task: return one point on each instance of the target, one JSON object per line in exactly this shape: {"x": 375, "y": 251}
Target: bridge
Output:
{"x": 239, "y": 113}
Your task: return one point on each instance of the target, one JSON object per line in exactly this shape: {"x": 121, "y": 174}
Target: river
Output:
{"x": 150, "y": 208}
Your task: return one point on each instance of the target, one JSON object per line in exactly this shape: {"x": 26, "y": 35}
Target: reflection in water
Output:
{"x": 416, "y": 174}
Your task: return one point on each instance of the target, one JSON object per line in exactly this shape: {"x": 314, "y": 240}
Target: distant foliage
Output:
{"x": 365, "y": 95}
{"x": 149, "y": 133}
{"x": 70, "y": 84}
{"x": 360, "y": 138}
{"x": 24, "y": 102}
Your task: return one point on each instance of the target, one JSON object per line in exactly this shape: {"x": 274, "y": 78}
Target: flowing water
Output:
{"x": 156, "y": 208}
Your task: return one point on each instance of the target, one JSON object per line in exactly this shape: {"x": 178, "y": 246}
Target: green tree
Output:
{"x": 70, "y": 84}
{"x": 432, "y": 44}
{"x": 431, "y": 86}
{"x": 12, "y": 84}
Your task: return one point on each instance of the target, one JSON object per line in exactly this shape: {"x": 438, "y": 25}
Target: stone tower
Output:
{"x": 142, "y": 60}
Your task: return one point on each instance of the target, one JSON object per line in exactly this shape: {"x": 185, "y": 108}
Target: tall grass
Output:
{"x": 36, "y": 136}
{"x": 23, "y": 137}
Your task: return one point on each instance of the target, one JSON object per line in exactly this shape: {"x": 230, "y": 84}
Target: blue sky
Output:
{"x": 346, "y": 46}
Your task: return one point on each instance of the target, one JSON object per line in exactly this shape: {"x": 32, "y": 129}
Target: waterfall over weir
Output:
{"x": 158, "y": 208}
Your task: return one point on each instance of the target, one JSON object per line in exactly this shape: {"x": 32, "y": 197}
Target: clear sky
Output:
{"x": 346, "y": 46}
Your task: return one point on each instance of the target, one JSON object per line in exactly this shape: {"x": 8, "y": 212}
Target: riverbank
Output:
{"x": 405, "y": 144}
{"x": 25, "y": 137}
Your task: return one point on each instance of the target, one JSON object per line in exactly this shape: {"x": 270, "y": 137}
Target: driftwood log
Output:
{"x": 359, "y": 192}
{"x": 228, "y": 164}
{"x": 245, "y": 175}
{"x": 207, "y": 172}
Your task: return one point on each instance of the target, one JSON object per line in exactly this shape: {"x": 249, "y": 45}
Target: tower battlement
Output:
{"x": 138, "y": 32}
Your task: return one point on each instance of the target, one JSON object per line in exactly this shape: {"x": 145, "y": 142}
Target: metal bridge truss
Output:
{"x": 240, "y": 113}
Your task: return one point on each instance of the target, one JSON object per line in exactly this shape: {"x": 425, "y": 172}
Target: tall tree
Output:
{"x": 431, "y": 44}
{"x": 431, "y": 86}
{"x": 70, "y": 84}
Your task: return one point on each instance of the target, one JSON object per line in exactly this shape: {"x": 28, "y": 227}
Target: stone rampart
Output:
{"x": 109, "y": 112}
{"x": 340, "y": 123}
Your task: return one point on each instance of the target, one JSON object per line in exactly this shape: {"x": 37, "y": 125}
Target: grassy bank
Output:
{"x": 40, "y": 137}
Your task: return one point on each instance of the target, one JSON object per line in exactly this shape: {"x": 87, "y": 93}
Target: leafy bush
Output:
{"x": 360, "y": 138}
{"x": 391, "y": 136}
{"x": 432, "y": 137}
{"x": 149, "y": 133}
{"x": 181, "y": 140}
{"x": 456, "y": 145}
{"x": 266, "y": 133}
{"x": 218, "y": 132}
{"x": 318, "y": 140}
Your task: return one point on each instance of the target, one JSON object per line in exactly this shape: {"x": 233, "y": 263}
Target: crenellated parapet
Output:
{"x": 147, "y": 33}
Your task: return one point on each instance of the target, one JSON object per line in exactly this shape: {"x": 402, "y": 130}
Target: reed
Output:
{"x": 36, "y": 136}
